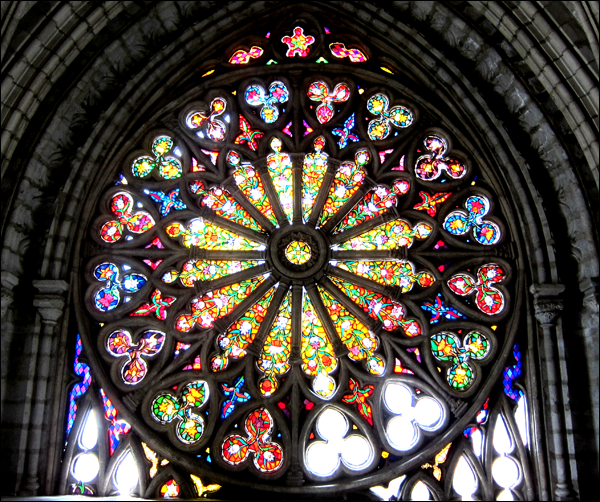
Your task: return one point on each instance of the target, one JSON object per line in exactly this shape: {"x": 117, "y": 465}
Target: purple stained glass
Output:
{"x": 80, "y": 388}
{"x": 512, "y": 373}
{"x": 116, "y": 427}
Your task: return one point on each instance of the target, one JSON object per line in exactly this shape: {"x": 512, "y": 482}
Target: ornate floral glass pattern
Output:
{"x": 300, "y": 269}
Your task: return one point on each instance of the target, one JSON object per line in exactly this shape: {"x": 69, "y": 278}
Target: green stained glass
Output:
{"x": 360, "y": 342}
{"x": 249, "y": 182}
{"x": 379, "y": 307}
{"x": 313, "y": 173}
{"x": 205, "y": 235}
{"x": 222, "y": 203}
{"x": 390, "y": 273}
{"x": 375, "y": 203}
{"x": 279, "y": 166}
{"x": 241, "y": 334}
{"x": 274, "y": 359}
{"x": 346, "y": 182}
{"x": 206, "y": 270}
{"x": 297, "y": 252}
{"x": 215, "y": 304}
{"x": 390, "y": 235}
{"x": 317, "y": 352}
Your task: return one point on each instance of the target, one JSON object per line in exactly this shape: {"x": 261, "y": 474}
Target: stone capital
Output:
{"x": 9, "y": 281}
{"x": 547, "y": 302}
{"x": 50, "y": 301}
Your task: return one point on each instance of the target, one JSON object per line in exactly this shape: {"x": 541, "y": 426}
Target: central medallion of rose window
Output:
{"x": 298, "y": 252}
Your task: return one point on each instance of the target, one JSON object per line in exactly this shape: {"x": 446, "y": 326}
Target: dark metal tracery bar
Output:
{"x": 253, "y": 235}
{"x": 196, "y": 253}
{"x": 271, "y": 193}
{"x": 295, "y": 355}
{"x": 358, "y": 280}
{"x": 332, "y": 166}
{"x": 205, "y": 286}
{"x": 379, "y": 255}
{"x": 297, "y": 163}
{"x": 365, "y": 226}
{"x": 333, "y": 222}
{"x": 269, "y": 319}
{"x": 339, "y": 348}
{"x": 231, "y": 186}
{"x": 225, "y": 322}
{"x": 352, "y": 307}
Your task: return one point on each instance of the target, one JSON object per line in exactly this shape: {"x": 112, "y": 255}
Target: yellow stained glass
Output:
{"x": 298, "y": 252}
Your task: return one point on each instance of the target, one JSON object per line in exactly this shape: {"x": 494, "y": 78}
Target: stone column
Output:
{"x": 548, "y": 305}
{"x": 9, "y": 281}
{"x": 50, "y": 303}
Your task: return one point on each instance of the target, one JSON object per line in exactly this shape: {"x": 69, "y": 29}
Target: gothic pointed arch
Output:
{"x": 368, "y": 196}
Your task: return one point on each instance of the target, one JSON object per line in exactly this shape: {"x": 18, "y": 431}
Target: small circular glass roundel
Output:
{"x": 297, "y": 252}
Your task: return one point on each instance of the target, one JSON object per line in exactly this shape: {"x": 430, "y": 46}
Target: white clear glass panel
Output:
{"x": 126, "y": 476}
{"x": 505, "y": 472}
{"x": 521, "y": 419}
{"x": 391, "y": 491}
{"x": 89, "y": 434}
{"x": 332, "y": 425}
{"x": 357, "y": 452}
{"x": 398, "y": 398}
{"x": 503, "y": 443}
{"x": 86, "y": 467}
{"x": 464, "y": 481}
{"x": 428, "y": 413}
{"x": 322, "y": 459}
{"x": 477, "y": 439}
{"x": 402, "y": 433}
{"x": 505, "y": 495}
{"x": 420, "y": 492}
{"x": 324, "y": 386}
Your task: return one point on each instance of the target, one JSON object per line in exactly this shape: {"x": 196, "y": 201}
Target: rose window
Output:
{"x": 300, "y": 281}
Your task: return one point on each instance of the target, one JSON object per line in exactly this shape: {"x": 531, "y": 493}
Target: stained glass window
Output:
{"x": 301, "y": 284}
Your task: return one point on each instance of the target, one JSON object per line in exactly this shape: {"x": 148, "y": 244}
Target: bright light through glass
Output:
{"x": 332, "y": 425}
{"x": 505, "y": 495}
{"x": 398, "y": 398}
{"x": 86, "y": 467}
{"x": 401, "y": 433}
{"x": 521, "y": 419}
{"x": 464, "y": 481}
{"x": 126, "y": 477}
{"x": 505, "y": 472}
{"x": 477, "y": 439}
{"x": 89, "y": 434}
{"x": 428, "y": 413}
{"x": 503, "y": 443}
{"x": 392, "y": 491}
{"x": 357, "y": 452}
{"x": 420, "y": 492}
{"x": 322, "y": 459}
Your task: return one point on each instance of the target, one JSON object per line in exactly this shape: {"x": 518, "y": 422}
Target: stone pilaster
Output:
{"x": 50, "y": 303}
{"x": 548, "y": 306}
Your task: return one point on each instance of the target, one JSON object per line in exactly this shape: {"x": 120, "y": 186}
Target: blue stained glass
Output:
{"x": 512, "y": 373}
{"x": 438, "y": 310}
{"x": 235, "y": 395}
{"x": 345, "y": 133}
{"x": 78, "y": 389}
{"x": 167, "y": 201}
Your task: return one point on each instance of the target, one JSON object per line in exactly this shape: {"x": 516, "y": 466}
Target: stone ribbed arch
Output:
{"x": 82, "y": 86}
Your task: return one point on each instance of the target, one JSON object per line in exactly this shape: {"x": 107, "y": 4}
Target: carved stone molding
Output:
{"x": 547, "y": 302}
{"x": 9, "y": 281}
{"x": 50, "y": 301}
